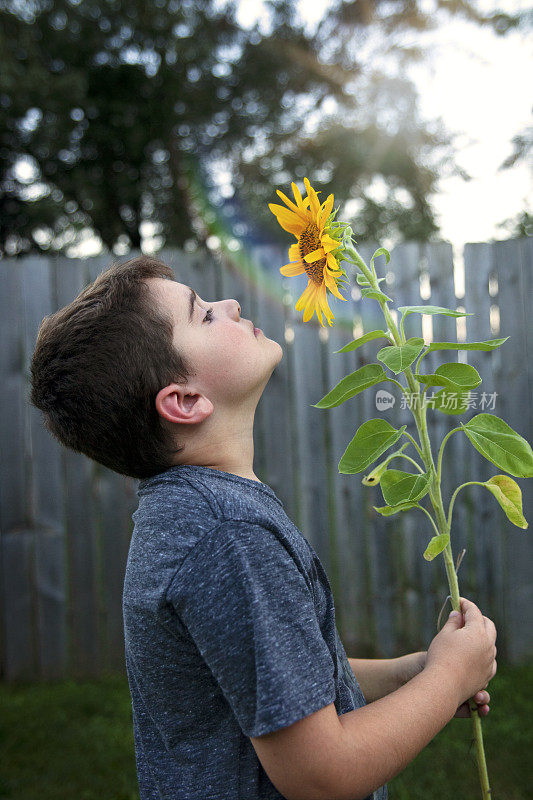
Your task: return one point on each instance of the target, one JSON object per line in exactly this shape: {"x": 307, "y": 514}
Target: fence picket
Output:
{"x": 483, "y": 536}
{"x": 351, "y": 599}
{"x": 440, "y": 268}
{"x": 379, "y": 530}
{"x": 45, "y": 502}
{"x": 513, "y": 262}
{"x": 17, "y": 616}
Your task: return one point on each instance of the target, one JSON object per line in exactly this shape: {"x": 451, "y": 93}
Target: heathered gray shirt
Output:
{"x": 230, "y": 632}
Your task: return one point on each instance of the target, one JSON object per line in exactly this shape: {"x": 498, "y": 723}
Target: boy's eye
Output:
{"x": 209, "y": 315}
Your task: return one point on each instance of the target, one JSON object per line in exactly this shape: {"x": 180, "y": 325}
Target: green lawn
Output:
{"x": 74, "y": 741}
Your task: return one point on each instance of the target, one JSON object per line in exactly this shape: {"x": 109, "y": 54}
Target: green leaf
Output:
{"x": 388, "y": 511}
{"x": 500, "y": 444}
{"x": 362, "y": 340}
{"x": 403, "y": 487}
{"x": 509, "y": 495}
{"x": 399, "y": 358}
{"x": 380, "y": 252}
{"x": 490, "y": 344}
{"x": 454, "y": 375}
{"x": 448, "y": 312}
{"x": 363, "y": 281}
{"x": 372, "y": 294}
{"x": 436, "y": 546}
{"x": 352, "y": 384}
{"x": 371, "y": 439}
{"x": 452, "y": 403}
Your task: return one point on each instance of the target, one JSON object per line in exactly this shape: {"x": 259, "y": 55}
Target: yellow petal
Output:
{"x": 302, "y": 300}
{"x": 286, "y": 215}
{"x": 294, "y": 252}
{"x": 323, "y": 300}
{"x": 333, "y": 264}
{"x": 326, "y": 210}
{"x": 329, "y": 246}
{"x": 291, "y": 270}
{"x": 291, "y": 227}
{"x": 316, "y": 255}
{"x": 314, "y": 203}
{"x": 301, "y": 214}
{"x": 310, "y": 308}
{"x": 327, "y": 239}
{"x": 332, "y": 285}
{"x": 297, "y": 194}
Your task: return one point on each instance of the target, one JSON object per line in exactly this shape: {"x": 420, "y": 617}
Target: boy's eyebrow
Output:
{"x": 192, "y": 299}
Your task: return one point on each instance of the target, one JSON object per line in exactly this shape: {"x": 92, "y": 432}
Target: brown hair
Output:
{"x": 98, "y": 365}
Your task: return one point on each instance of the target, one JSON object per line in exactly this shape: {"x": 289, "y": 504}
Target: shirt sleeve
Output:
{"x": 251, "y": 613}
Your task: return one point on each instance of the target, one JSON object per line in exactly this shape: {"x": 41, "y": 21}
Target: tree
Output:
{"x": 105, "y": 103}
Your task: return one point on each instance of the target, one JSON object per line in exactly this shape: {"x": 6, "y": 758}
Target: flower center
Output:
{"x": 308, "y": 242}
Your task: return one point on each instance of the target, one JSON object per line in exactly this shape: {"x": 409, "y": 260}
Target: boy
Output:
{"x": 240, "y": 684}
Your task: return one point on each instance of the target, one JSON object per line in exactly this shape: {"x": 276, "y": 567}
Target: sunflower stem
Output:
{"x": 435, "y": 493}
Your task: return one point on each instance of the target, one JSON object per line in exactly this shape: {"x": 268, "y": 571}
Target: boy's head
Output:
{"x": 122, "y": 376}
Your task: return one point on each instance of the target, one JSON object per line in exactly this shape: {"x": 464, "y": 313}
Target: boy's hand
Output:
{"x": 463, "y": 653}
{"x": 481, "y": 698}
{"x": 413, "y": 663}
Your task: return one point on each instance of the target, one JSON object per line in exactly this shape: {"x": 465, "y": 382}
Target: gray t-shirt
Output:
{"x": 229, "y": 625}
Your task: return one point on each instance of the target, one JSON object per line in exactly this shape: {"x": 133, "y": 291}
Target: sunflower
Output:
{"x": 313, "y": 252}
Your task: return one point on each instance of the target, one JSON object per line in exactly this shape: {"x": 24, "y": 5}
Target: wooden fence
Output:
{"x": 65, "y": 521}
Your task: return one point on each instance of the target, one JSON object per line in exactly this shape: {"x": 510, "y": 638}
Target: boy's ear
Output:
{"x": 179, "y": 404}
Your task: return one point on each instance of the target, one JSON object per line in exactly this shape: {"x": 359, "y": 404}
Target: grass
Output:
{"x": 73, "y": 740}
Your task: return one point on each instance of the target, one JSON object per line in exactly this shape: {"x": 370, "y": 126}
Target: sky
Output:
{"x": 477, "y": 83}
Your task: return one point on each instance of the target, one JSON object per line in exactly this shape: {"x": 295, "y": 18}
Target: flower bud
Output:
{"x": 374, "y": 477}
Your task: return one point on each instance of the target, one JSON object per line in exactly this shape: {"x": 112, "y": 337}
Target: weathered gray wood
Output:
{"x": 16, "y": 644}
{"x": 405, "y": 266}
{"x": 273, "y": 414}
{"x": 379, "y": 530}
{"x": 85, "y": 657}
{"x": 19, "y": 611}
{"x": 369, "y": 619}
{"x": 311, "y": 432}
{"x": 97, "y": 264}
{"x": 113, "y": 526}
{"x": 12, "y": 400}
{"x": 481, "y": 571}
{"x": 514, "y": 262}
{"x": 353, "y": 601}
{"x": 45, "y": 501}
{"x": 81, "y": 531}
{"x": 439, "y": 265}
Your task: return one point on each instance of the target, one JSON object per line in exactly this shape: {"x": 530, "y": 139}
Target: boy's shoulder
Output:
{"x": 201, "y": 498}
{"x": 191, "y": 511}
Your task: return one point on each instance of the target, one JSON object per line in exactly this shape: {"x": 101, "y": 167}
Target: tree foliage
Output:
{"x": 105, "y": 104}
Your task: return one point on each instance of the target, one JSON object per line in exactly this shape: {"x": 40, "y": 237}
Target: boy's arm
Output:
{"x": 325, "y": 756}
{"x": 328, "y": 757}
{"x": 378, "y": 677}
